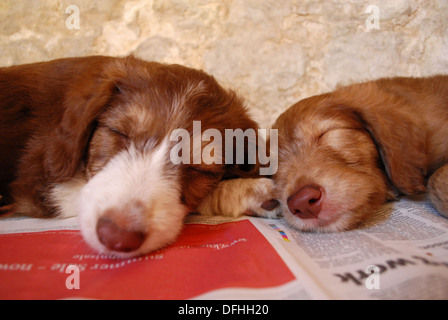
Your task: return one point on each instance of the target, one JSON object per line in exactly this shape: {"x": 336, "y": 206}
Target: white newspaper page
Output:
{"x": 400, "y": 254}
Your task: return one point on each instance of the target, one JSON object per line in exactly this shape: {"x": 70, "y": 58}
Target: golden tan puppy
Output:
{"x": 343, "y": 154}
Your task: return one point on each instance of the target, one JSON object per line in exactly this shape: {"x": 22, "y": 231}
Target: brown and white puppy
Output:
{"x": 91, "y": 136}
{"x": 343, "y": 154}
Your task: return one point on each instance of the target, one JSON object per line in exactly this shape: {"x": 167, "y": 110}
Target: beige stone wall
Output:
{"x": 273, "y": 52}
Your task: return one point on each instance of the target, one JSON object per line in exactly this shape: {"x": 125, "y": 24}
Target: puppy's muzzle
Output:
{"x": 116, "y": 232}
{"x": 307, "y": 202}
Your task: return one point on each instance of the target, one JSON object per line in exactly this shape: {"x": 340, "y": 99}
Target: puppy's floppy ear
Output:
{"x": 67, "y": 144}
{"x": 401, "y": 141}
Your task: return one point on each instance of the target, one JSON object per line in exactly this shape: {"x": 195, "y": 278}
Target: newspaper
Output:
{"x": 400, "y": 254}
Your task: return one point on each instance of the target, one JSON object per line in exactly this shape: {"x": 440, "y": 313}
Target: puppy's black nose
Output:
{"x": 117, "y": 238}
{"x": 307, "y": 202}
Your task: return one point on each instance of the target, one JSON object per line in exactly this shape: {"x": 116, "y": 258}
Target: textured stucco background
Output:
{"x": 273, "y": 52}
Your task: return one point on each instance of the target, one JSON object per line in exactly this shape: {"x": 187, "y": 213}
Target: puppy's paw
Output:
{"x": 261, "y": 202}
{"x": 7, "y": 210}
{"x": 237, "y": 197}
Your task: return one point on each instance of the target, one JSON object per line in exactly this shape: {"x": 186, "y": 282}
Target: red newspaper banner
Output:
{"x": 204, "y": 258}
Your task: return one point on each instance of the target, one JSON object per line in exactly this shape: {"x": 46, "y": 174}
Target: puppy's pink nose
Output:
{"x": 307, "y": 202}
{"x": 116, "y": 238}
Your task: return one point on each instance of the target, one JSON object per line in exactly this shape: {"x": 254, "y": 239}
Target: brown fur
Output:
{"x": 67, "y": 118}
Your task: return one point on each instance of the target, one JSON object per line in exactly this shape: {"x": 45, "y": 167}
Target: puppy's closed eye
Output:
{"x": 118, "y": 133}
{"x": 355, "y": 146}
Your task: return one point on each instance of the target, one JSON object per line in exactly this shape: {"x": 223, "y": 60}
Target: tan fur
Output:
{"x": 363, "y": 143}
{"x": 233, "y": 198}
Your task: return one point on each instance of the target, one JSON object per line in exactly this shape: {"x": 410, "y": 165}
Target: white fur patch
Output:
{"x": 64, "y": 197}
{"x": 133, "y": 176}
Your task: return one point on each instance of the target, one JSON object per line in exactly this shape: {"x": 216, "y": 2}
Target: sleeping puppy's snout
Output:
{"x": 307, "y": 202}
{"x": 119, "y": 233}
{"x": 118, "y": 238}
{"x": 133, "y": 205}
{"x": 337, "y": 198}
